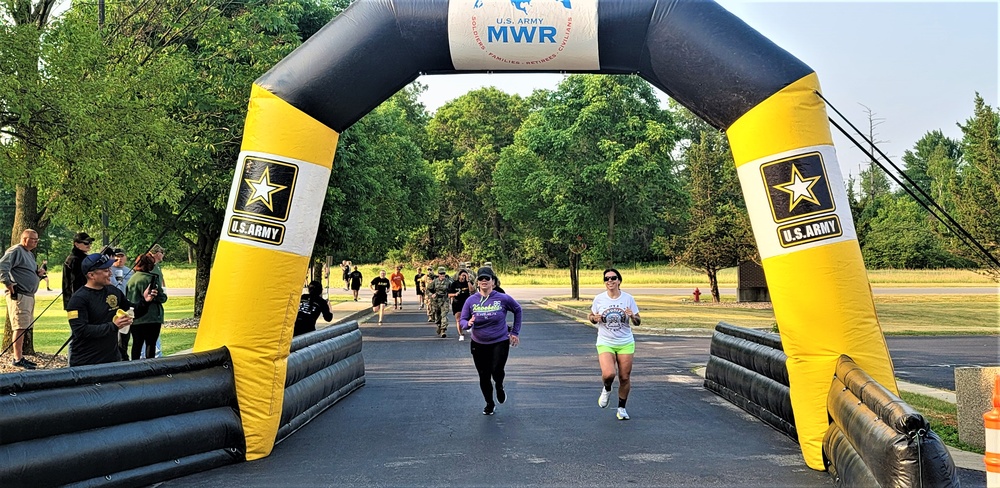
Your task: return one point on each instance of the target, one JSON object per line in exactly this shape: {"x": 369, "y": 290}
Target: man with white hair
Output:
{"x": 20, "y": 274}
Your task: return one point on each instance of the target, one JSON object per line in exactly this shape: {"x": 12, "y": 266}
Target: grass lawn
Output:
{"x": 943, "y": 417}
{"x": 898, "y": 314}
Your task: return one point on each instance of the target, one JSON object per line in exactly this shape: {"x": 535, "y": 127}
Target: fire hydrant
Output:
{"x": 697, "y": 293}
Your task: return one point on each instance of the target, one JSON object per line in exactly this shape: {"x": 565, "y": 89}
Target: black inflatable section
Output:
{"x": 877, "y": 437}
{"x": 697, "y": 52}
{"x": 747, "y": 368}
{"x": 323, "y": 367}
{"x": 121, "y": 424}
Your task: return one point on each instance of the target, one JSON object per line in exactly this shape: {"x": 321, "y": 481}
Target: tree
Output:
{"x": 978, "y": 205}
{"x": 380, "y": 184}
{"x": 465, "y": 138}
{"x": 899, "y": 237}
{"x": 80, "y": 106}
{"x": 717, "y": 228}
{"x": 593, "y": 163}
{"x": 917, "y": 162}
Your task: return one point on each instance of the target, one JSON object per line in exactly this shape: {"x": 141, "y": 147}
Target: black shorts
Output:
{"x": 397, "y": 293}
{"x": 379, "y": 298}
{"x": 456, "y": 306}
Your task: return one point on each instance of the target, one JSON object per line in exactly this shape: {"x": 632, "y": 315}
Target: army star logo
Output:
{"x": 266, "y": 188}
{"x": 263, "y": 189}
{"x": 799, "y": 188}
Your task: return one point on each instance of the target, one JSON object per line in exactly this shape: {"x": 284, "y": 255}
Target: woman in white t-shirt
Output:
{"x": 615, "y": 312}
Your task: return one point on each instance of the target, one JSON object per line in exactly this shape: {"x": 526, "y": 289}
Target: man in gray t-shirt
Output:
{"x": 20, "y": 275}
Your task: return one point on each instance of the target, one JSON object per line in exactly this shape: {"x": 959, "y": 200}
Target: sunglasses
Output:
{"x": 484, "y": 278}
{"x": 609, "y": 278}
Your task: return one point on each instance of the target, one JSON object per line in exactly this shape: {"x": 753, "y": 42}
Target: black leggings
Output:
{"x": 144, "y": 333}
{"x": 490, "y": 360}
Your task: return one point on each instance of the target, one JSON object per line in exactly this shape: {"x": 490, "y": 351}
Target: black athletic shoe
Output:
{"x": 501, "y": 395}
{"x": 489, "y": 409}
{"x": 24, "y": 363}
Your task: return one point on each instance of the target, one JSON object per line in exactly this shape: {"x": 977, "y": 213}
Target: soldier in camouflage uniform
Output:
{"x": 428, "y": 298}
{"x": 438, "y": 291}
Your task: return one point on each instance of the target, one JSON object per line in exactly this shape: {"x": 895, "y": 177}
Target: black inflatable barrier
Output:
{"x": 894, "y": 443}
{"x": 324, "y": 366}
{"x": 119, "y": 424}
{"x": 747, "y": 368}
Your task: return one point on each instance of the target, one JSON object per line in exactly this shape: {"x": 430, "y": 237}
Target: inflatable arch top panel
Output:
{"x": 694, "y": 50}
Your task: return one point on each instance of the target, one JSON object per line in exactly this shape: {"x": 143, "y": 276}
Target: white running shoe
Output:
{"x": 603, "y": 400}
{"x": 622, "y": 414}
{"x": 461, "y": 338}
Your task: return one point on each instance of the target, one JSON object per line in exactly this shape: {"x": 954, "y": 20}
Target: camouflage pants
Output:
{"x": 441, "y": 309}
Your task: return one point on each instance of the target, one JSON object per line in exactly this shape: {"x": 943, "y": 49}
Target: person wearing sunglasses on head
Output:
{"x": 615, "y": 312}
{"x": 485, "y": 315}
{"x": 96, "y": 314}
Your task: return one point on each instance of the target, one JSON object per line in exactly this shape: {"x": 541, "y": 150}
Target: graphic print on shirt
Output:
{"x": 615, "y": 318}
{"x": 482, "y": 308}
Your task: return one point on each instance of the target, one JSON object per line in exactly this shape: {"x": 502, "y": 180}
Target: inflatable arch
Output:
{"x": 694, "y": 50}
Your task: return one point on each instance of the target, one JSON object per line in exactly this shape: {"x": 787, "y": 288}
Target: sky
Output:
{"x": 916, "y": 65}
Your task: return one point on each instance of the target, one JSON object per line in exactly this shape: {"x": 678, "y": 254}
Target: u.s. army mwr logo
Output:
{"x": 266, "y": 188}
{"x": 797, "y": 187}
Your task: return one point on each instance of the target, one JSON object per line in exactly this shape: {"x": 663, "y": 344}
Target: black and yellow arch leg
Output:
{"x": 798, "y": 205}
{"x": 268, "y": 235}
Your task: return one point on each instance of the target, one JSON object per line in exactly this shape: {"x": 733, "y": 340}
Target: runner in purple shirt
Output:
{"x": 485, "y": 314}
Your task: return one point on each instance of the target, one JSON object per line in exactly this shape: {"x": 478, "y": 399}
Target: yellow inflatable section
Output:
{"x": 268, "y": 235}
{"x": 805, "y": 233}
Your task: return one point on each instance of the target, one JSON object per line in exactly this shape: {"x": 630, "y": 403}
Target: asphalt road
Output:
{"x": 418, "y": 421}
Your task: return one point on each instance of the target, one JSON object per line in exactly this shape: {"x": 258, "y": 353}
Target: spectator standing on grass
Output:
{"x": 20, "y": 275}
{"x": 345, "y": 268}
{"x": 311, "y": 306}
{"x": 45, "y": 274}
{"x": 614, "y": 312}
{"x": 73, "y": 279}
{"x": 93, "y": 314}
{"x": 146, "y": 326}
{"x": 120, "y": 272}
{"x": 157, "y": 253}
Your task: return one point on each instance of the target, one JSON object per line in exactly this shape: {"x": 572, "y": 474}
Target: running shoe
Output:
{"x": 461, "y": 338}
{"x": 501, "y": 395}
{"x": 603, "y": 400}
{"x": 622, "y": 414}
{"x": 489, "y": 409}
{"x": 24, "y": 363}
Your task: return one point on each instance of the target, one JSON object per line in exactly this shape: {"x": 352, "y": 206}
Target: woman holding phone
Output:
{"x": 146, "y": 327}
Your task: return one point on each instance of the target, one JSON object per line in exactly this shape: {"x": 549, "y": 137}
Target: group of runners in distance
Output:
{"x": 480, "y": 307}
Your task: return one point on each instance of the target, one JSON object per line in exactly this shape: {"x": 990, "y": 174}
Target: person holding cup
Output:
{"x": 93, "y": 313}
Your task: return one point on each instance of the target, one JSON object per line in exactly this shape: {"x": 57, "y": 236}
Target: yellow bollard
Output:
{"x": 991, "y": 421}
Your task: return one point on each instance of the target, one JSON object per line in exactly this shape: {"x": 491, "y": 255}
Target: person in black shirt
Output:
{"x": 72, "y": 278}
{"x": 93, "y": 314}
{"x": 310, "y": 307}
{"x": 356, "y": 278}
{"x": 380, "y": 286}
{"x": 460, "y": 291}
{"x": 419, "y": 286}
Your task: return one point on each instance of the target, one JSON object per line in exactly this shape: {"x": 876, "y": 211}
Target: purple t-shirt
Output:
{"x": 490, "y": 325}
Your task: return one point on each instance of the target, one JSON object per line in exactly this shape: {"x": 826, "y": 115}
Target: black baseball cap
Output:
{"x": 83, "y": 237}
